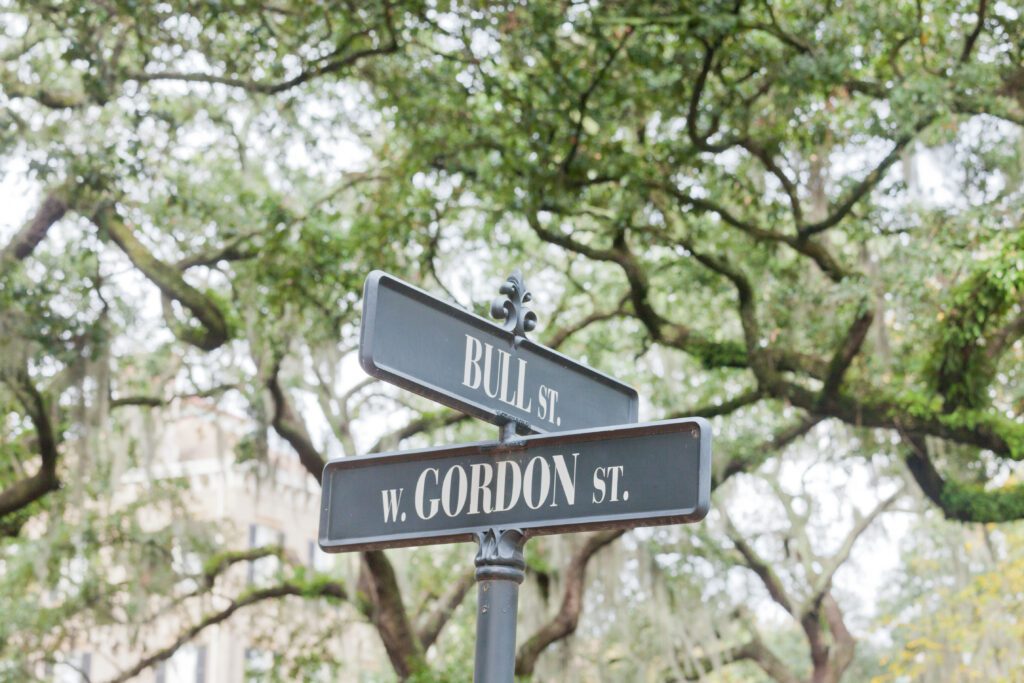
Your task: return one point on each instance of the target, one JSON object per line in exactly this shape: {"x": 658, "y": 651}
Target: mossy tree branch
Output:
{"x": 22, "y": 493}
{"x": 213, "y": 330}
{"x": 973, "y": 332}
{"x": 25, "y": 241}
{"x": 333, "y": 590}
{"x": 965, "y": 502}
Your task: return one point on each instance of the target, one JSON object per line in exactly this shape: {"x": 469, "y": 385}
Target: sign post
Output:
{"x": 567, "y": 476}
{"x": 500, "y": 568}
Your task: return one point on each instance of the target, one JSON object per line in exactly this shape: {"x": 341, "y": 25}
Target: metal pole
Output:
{"x": 500, "y": 565}
{"x": 500, "y": 568}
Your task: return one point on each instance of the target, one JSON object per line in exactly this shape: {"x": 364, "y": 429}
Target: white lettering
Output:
{"x": 392, "y": 499}
{"x": 420, "y": 483}
{"x": 521, "y": 388}
{"x": 562, "y": 477}
{"x": 545, "y": 482}
{"x": 446, "y": 491}
{"x": 598, "y": 485}
{"x": 505, "y": 467}
{"x": 615, "y": 472}
{"x": 505, "y": 362}
{"x": 547, "y": 398}
{"x": 552, "y": 400}
{"x": 478, "y": 489}
{"x": 488, "y": 355}
{"x": 472, "y": 375}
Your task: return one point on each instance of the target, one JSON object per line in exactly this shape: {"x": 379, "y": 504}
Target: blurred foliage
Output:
{"x": 800, "y": 219}
{"x": 955, "y": 609}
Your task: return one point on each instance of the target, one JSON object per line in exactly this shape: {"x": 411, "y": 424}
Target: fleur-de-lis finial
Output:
{"x": 518, "y": 318}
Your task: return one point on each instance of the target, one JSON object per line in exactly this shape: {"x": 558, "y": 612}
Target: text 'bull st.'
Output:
{"x": 655, "y": 473}
{"x": 415, "y": 340}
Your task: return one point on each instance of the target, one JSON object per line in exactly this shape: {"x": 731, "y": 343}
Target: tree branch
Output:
{"x": 559, "y": 336}
{"x": 421, "y": 424}
{"x": 380, "y": 596}
{"x": 866, "y": 185}
{"x": 754, "y": 650}
{"x": 767, "y": 661}
{"x": 761, "y": 568}
{"x": 841, "y": 654}
{"x": 220, "y": 563}
{"x": 759, "y": 359}
{"x": 973, "y": 37}
{"x": 997, "y": 434}
{"x": 49, "y": 98}
{"x": 32, "y": 233}
{"x": 1004, "y": 337}
{"x": 381, "y": 600}
{"x": 825, "y": 261}
{"x": 822, "y": 584}
{"x": 581, "y": 107}
{"x": 214, "y": 328}
{"x": 960, "y": 501}
{"x": 762, "y": 154}
{"x": 723, "y": 408}
{"x": 291, "y": 428}
{"x": 26, "y": 491}
{"x": 849, "y": 349}
{"x": 693, "y": 111}
{"x": 158, "y": 401}
{"x": 431, "y": 622}
{"x": 330, "y": 590}
{"x": 695, "y": 668}
{"x": 232, "y": 251}
{"x": 711, "y": 353}
{"x": 564, "y": 622}
{"x": 329, "y": 66}
{"x": 585, "y": 96}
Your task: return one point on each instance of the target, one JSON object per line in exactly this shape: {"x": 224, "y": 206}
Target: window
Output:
{"x": 72, "y": 668}
{"x": 187, "y": 665}
{"x": 187, "y": 563}
{"x": 262, "y": 570}
{"x": 73, "y": 572}
{"x": 318, "y": 560}
{"x": 259, "y": 665}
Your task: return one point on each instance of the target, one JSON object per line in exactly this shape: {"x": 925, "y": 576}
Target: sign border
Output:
{"x": 446, "y": 397}
{"x": 555, "y": 526}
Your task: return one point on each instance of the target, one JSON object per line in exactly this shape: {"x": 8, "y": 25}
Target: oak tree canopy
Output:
{"x": 786, "y": 216}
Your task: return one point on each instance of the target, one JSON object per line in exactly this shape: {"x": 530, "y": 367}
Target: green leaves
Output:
{"x": 694, "y": 193}
{"x": 963, "y": 360}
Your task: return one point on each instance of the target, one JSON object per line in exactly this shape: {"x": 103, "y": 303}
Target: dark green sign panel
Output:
{"x": 457, "y": 358}
{"x": 613, "y": 477}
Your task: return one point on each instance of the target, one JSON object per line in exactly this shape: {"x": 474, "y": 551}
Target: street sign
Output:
{"x": 611, "y": 477}
{"x": 575, "y": 474}
{"x": 438, "y": 350}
